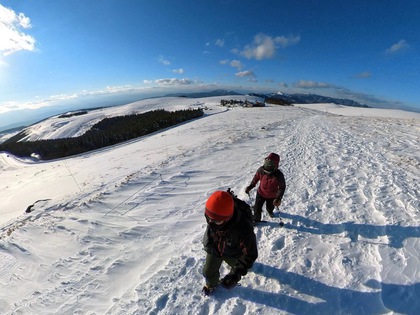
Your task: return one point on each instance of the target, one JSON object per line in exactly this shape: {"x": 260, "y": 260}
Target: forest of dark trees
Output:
{"x": 107, "y": 132}
{"x": 278, "y": 101}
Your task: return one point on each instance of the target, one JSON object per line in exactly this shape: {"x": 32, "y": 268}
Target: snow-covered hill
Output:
{"x": 65, "y": 126}
{"x": 118, "y": 231}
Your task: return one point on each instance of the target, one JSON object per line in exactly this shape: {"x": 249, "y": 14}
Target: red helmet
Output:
{"x": 219, "y": 206}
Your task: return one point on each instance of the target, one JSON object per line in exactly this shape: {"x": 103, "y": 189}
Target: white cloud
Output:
{"x": 265, "y": 47}
{"x": 395, "y": 48}
{"x": 12, "y": 37}
{"x": 173, "y": 81}
{"x": 180, "y": 71}
{"x": 9, "y": 106}
{"x": 233, "y": 63}
{"x": 236, "y": 64}
{"x": 219, "y": 42}
{"x": 24, "y": 21}
{"x": 235, "y": 51}
{"x": 164, "y": 61}
{"x": 262, "y": 48}
{"x": 287, "y": 41}
{"x": 246, "y": 73}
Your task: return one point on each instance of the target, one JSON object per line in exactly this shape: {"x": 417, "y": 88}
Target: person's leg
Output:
{"x": 230, "y": 282}
{"x": 259, "y": 202}
{"x": 211, "y": 270}
{"x": 230, "y": 261}
{"x": 270, "y": 207}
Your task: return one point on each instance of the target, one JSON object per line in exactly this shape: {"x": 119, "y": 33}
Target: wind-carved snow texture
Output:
{"x": 122, "y": 231}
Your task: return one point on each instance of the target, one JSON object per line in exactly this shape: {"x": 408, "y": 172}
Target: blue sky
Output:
{"x": 71, "y": 51}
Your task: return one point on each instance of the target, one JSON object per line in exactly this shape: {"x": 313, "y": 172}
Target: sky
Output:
{"x": 79, "y": 51}
{"x": 119, "y": 230}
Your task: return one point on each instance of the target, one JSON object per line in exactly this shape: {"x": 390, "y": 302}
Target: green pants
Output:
{"x": 211, "y": 270}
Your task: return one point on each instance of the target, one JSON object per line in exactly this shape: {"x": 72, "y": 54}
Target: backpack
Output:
{"x": 243, "y": 207}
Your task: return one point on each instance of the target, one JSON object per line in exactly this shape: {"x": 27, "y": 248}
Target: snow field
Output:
{"x": 121, "y": 233}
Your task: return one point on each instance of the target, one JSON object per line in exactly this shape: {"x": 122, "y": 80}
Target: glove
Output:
{"x": 248, "y": 189}
{"x": 276, "y": 202}
{"x": 230, "y": 280}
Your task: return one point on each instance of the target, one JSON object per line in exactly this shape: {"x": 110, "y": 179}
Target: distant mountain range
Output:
{"x": 26, "y": 117}
{"x": 313, "y": 99}
{"x": 286, "y": 98}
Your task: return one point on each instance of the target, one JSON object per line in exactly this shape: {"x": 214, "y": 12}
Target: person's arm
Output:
{"x": 282, "y": 186}
{"x": 250, "y": 254}
{"x": 254, "y": 182}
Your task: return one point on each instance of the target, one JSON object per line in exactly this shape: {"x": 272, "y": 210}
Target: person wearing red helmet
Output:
{"x": 271, "y": 188}
{"x": 229, "y": 238}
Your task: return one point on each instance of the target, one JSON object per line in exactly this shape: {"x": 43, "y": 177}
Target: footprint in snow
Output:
{"x": 279, "y": 244}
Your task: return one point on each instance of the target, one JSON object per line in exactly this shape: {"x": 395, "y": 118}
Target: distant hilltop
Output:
{"x": 278, "y": 98}
{"x": 314, "y": 98}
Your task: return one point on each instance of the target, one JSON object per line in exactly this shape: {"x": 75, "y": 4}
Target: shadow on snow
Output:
{"x": 396, "y": 234}
{"x": 397, "y": 298}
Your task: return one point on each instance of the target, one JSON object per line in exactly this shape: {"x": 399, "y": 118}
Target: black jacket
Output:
{"x": 234, "y": 239}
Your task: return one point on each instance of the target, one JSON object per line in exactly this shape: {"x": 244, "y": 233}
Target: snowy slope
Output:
{"x": 361, "y": 112}
{"x": 118, "y": 231}
{"x": 73, "y": 126}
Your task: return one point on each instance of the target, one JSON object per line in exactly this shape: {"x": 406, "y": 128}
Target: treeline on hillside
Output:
{"x": 108, "y": 131}
{"x": 79, "y": 113}
{"x": 277, "y": 101}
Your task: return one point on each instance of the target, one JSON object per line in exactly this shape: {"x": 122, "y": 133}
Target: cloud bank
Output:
{"x": 13, "y": 38}
{"x": 265, "y": 47}
{"x": 397, "y": 47}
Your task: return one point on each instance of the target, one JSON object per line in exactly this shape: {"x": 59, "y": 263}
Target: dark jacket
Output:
{"x": 272, "y": 185}
{"x": 234, "y": 239}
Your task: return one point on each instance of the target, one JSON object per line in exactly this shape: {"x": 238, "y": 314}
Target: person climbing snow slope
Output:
{"x": 229, "y": 238}
{"x": 271, "y": 188}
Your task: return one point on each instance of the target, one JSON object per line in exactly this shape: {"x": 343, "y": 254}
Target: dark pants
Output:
{"x": 259, "y": 202}
{"x": 211, "y": 270}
